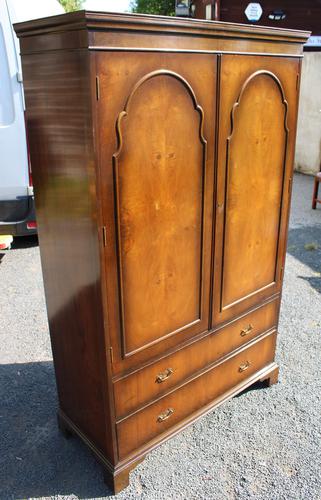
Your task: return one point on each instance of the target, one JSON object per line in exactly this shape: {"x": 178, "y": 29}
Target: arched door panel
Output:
{"x": 257, "y": 116}
{"x": 157, "y": 177}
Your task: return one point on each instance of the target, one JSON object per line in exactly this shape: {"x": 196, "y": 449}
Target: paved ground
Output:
{"x": 264, "y": 444}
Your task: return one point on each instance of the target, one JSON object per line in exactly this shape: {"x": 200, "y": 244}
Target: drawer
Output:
{"x": 150, "y": 382}
{"x": 150, "y": 422}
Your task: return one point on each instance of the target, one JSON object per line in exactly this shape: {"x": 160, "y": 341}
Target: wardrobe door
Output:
{"x": 156, "y": 124}
{"x": 257, "y": 126}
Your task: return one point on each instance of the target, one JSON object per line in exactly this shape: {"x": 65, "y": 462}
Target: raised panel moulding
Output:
{"x": 165, "y": 154}
{"x": 250, "y": 251}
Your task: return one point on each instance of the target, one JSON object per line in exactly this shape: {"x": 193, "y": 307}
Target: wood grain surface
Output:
{"x": 162, "y": 155}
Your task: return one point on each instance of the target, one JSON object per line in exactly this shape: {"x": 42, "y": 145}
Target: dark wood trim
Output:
{"x": 164, "y": 50}
{"x": 143, "y": 22}
{"x": 290, "y": 175}
{"x": 216, "y": 149}
{"x": 67, "y": 425}
{"x": 117, "y": 478}
{"x": 106, "y": 360}
{"x": 189, "y": 51}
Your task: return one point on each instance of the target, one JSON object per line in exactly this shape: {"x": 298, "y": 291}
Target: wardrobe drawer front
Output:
{"x": 149, "y": 383}
{"x": 138, "y": 429}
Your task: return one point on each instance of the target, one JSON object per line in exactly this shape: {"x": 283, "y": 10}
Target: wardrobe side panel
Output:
{"x": 58, "y": 103}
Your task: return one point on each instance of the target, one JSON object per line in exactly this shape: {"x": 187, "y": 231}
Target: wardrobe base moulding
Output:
{"x": 117, "y": 478}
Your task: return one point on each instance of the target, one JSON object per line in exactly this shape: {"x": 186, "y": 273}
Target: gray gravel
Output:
{"x": 263, "y": 444}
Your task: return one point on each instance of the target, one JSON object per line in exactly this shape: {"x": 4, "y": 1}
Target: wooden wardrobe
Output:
{"x": 162, "y": 155}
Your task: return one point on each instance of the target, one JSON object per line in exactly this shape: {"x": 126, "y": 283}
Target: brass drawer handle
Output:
{"x": 244, "y": 367}
{"x": 246, "y": 331}
{"x": 165, "y": 415}
{"x": 161, "y": 377}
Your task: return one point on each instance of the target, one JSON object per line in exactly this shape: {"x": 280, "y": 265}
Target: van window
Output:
{"x": 6, "y": 98}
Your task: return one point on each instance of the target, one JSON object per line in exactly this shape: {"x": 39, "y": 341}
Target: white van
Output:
{"x": 17, "y": 213}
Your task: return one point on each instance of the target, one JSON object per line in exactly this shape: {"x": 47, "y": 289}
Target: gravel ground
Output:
{"x": 263, "y": 444}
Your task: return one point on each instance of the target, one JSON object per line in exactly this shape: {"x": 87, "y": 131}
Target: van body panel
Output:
{"x": 16, "y": 196}
{"x": 14, "y": 175}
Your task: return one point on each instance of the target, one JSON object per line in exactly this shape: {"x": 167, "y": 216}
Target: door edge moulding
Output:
{"x": 115, "y": 159}
{"x": 235, "y": 107}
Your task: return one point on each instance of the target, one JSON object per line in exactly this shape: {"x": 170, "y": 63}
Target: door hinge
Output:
{"x": 104, "y": 236}
{"x": 289, "y": 185}
{"x": 111, "y": 352}
{"x": 297, "y": 81}
{"x": 97, "y": 88}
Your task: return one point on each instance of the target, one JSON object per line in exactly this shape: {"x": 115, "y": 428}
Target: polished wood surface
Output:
{"x": 138, "y": 429}
{"x": 162, "y": 153}
{"x": 258, "y": 113}
{"x": 58, "y": 101}
{"x": 147, "y": 384}
{"x": 256, "y": 151}
{"x": 157, "y": 297}
{"x": 134, "y": 32}
{"x": 160, "y": 208}
{"x": 148, "y": 24}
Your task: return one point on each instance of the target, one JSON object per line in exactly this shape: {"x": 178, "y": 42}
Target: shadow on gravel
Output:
{"x": 257, "y": 386}
{"x": 24, "y": 242}
{"x": 35, "y": 459}
{"x": 304, "y": 244}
